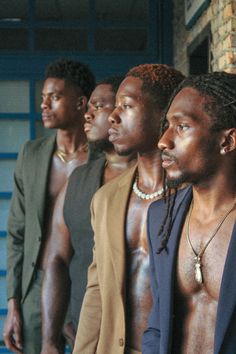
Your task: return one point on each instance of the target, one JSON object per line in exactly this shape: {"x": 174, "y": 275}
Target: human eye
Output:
{"x": 182, "y": 127}
{"x": 126, "y": 106}
{"x": 55, "y": 97}
{"x": 98, "y": 106}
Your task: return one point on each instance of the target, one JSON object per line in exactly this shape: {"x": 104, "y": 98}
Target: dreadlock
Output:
{"x": 219, "y": 89}
{"x": 73, "y": 72}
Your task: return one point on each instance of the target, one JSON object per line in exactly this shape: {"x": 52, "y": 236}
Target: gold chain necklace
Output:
{"x": 198, "y": 256}
{"x": 63, "y": 156}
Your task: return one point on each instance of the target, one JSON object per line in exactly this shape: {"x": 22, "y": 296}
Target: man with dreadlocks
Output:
{"x": 118, "y": 297}
{"x": 193, "y": 257}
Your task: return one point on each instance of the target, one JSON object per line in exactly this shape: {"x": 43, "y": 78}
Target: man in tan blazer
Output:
{"x": 41, "y": 171}
{"x": 118, "y": 297}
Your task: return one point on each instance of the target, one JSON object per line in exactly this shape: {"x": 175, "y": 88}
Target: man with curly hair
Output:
{"x": 71, "y": 241}
{"x": 42, "y": 169}
{"x": 118, "y": 297}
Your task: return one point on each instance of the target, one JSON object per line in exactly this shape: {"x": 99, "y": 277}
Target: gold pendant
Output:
{"x": 198, "y": 272}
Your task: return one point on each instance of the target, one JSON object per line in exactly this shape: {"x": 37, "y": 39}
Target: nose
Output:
{"x": 114, "y": 117}
{"x": 46, "y": 102}
{"x": 166, "y": 141}
{"x": 88, "y": 115}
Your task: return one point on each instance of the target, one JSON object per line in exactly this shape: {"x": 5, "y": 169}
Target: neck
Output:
{"x": 117, "y": 161}
{"x": 70, "y": 141}
{"x": 116, "y": 164}
{"x": 213, "y": 198}
{"x": 150, "y": 171}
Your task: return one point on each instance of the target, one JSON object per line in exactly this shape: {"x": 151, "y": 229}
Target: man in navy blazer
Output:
{"x": 192, "y": 254}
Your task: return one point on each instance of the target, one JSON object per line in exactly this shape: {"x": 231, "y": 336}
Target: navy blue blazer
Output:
{"x": 157, "y": 339}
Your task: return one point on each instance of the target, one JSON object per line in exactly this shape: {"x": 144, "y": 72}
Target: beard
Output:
{"x": 102, "y": 145}
{"x": 175, "y": 183}
{"x": 121, "y": 152}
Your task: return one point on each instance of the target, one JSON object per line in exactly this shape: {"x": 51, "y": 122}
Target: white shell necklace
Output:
{"x": 145, "y": 196}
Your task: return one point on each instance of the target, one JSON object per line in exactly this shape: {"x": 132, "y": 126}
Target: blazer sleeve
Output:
{"x": 151, "y": 336}
{"x": 90, "y": 316}
{"x": 16, "y": 229}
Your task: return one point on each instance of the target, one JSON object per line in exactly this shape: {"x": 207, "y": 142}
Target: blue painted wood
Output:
{"x": 5, "y": 195}
{"x": 8, "y": 156}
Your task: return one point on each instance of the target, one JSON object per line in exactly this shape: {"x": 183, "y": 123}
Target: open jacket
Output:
{"x": 157, "y": 338}
{"x": 26, "y": 216}
{"x": 27, "y": 212}
{"x": 102, "y": 318}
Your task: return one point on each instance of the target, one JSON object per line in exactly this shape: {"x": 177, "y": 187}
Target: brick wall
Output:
{"x": 221, "y": 15}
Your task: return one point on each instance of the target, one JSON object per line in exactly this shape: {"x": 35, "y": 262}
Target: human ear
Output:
{"x": 228, "y": 141}
{"x": 81, "y": 103}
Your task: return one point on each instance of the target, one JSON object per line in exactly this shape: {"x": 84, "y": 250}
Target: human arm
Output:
{"x": 13, "y": 327}
{"x": 90, "y": 316}
{"x": 15, "y": 251}
{"x": 56, "y": 283}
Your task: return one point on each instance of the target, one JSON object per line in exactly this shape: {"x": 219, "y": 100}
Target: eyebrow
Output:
{"x": 181, "y": 115}
{"x": 134, "y": 97}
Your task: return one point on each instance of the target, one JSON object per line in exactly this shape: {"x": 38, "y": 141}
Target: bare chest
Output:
{"x": 201, "y": 257}
{"x": 138, "y": 293}
{"x": 136, "y": 231}
{"x": 59, "y": 173}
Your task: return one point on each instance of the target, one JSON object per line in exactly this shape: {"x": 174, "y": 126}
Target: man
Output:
{"x": 118, "y": 297}
{"x": 71, "y": 227}
{"x": 42, "y": 169}
{"x": 193, "y": 258}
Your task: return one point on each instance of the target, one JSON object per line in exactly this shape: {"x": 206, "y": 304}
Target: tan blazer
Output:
{"x": 102, "y": 320}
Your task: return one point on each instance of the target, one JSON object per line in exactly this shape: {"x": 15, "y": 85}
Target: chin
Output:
{"x": 49, "y": 126}
{"x": 102, "y": 144}
{"x": 175, "y": 181}
{"x": 122, "y": 151}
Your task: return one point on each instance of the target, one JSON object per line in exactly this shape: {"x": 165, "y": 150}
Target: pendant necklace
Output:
{"x": 67, "y": 157}
{"x": 198, "y": 256}
{"x": 145, "y": 196}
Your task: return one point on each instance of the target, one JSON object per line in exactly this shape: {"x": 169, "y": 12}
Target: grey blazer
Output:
{"x": 83, "y": 183}
{"x": 26, "y": 216}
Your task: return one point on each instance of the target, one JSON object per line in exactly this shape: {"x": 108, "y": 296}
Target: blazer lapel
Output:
{"x": 116, "y": 226}
{"x": 227, "y": 299}
{"x": 167, "y": 263}
{"x": 42, "y": 164}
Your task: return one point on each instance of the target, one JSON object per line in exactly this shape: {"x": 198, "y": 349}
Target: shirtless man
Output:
{"x": 194, "y": 283}
{"x": 118, "y": 298}
{"x": 42, "y": 169}
{"x": 71, "y": 241}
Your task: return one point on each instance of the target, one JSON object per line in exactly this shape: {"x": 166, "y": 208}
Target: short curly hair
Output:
{"x": 74, "y": 72}
{"x": 159, "y": 80}
{"x": 114, "y": 81}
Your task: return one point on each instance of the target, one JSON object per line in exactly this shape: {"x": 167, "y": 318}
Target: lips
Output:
{"x": 87, "y": 127}
{"x": 166, "y": 160}
{"x": 46, "y": 117}
{"x": 113, "y": 135}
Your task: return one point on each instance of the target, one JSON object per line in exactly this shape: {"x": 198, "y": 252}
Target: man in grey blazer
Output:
{"x": 42, "y": 169}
